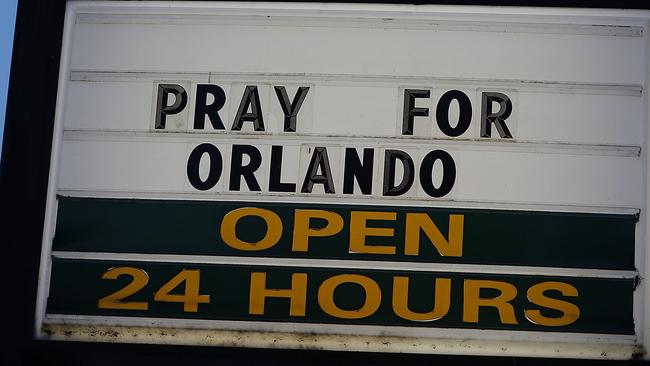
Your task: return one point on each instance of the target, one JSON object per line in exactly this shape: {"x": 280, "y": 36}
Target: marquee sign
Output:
{"x": 446, "y": 180}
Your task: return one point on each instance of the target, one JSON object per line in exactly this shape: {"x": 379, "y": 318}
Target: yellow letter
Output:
{"x": 570, "y": 311}
{"x": 273, "y": 228}
{"x": 297, "y": 294}
{"x": 441, "y": 304}
{"x": 417, "y": 221}
{"x": 359, "y": 231}
{"x": 302, "y": 231}
{"x": 370, "y": 287}
{"x": 473, "y": 301}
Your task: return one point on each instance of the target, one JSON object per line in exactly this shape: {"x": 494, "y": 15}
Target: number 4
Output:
{"x": 190, "y": 298}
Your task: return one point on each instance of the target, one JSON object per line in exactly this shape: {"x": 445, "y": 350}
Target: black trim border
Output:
{"x": 23, "y": 184}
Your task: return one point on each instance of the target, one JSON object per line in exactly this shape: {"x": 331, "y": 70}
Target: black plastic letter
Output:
{"x": 251, "y": 98}
{"x": 162, "y": 109}
{"x": 354, "y": 169}
{"x": 464, "y": 118}
{"x": 211, "y": 110}
{"x": 498, "y": 118}
{"x": 237, "y": 170}
{"x": 410, "y": 110}
{"x": 390, "y": 158}
{"x": 291, "y": 110}
{"x": 194, "y": 162}
{"x": 275, "y": 183}
{"x": 319, "y": 160}
{"x": 448, "y": 173}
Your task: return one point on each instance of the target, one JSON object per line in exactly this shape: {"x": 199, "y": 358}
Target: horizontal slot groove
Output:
{"x": 379, "y": 21}
{"x": 335, "y": 139}
{"x": 352, "y": 264}
{"x": 566, "y": 87}
{"x": 379, "y": 201}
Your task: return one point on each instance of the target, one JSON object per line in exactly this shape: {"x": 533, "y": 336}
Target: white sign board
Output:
{"x": 350, "y": 177}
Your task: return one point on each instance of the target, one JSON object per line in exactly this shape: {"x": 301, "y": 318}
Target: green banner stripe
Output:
{"x": 604, "y": 305}
{"x": 551, "y": 239}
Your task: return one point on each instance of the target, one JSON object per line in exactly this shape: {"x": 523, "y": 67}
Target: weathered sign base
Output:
{"x": 310, "y": 341}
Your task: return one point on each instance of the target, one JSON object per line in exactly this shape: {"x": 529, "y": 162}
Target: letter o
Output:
{"x": 465, "y": 115}
{"x": 448, "y": 173}
{"x": 369, "y": 307}
{"x": 273, "y": 229}
{"x": 194, "y": 162}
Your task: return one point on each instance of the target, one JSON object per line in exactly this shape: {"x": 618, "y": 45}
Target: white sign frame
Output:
{"x": 584, "y": 22}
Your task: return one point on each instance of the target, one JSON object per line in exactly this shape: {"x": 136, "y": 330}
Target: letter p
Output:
{"x": 162, "y": 101}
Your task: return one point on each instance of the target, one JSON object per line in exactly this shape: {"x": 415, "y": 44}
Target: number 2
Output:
{"x": 139, "y": 280}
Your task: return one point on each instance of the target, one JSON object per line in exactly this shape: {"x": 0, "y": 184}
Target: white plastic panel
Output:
{"x": 275, "y": 48}
{"x": 482, "y": 174}
{"x": 360, "y": 108}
